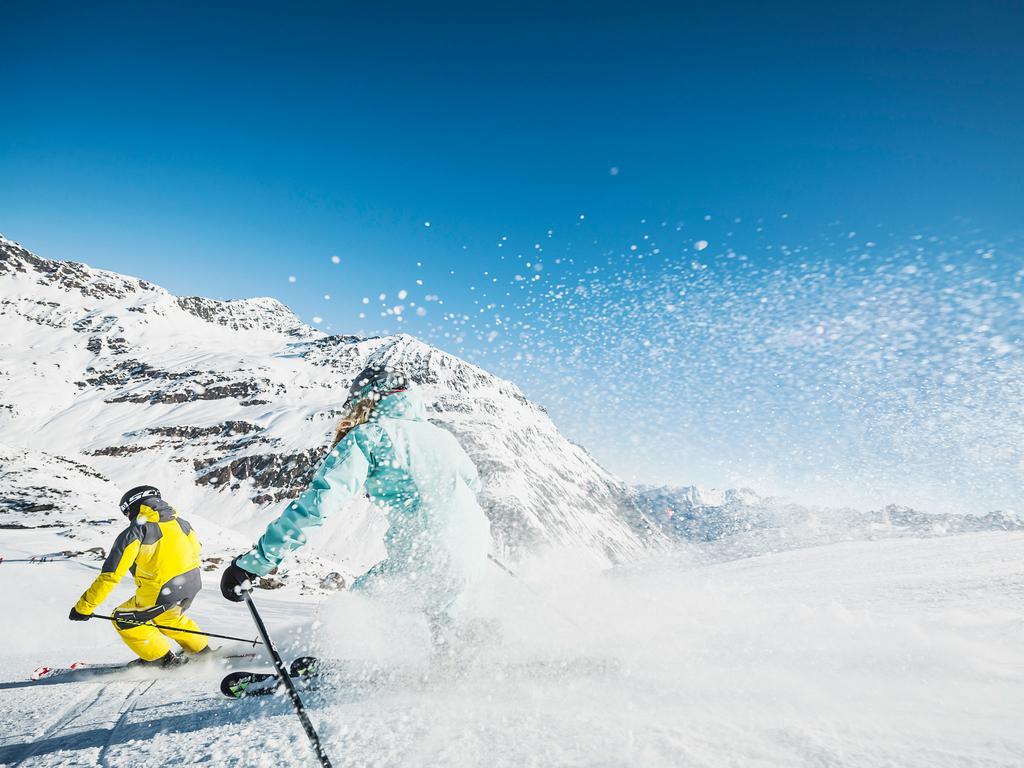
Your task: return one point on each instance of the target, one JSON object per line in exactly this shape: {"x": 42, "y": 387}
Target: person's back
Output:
{"x": 162, "y": 553}
{"x": 167, "y": 565}
{"x": 427, "y": 486}
{"x": 438, "y": 536}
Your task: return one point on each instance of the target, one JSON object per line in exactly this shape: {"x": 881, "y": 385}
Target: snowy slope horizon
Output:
{"x": 108, "y": 381}
{"x": 733, "y": 523}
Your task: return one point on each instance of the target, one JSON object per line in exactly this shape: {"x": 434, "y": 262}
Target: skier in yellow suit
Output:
{"x": 162, "y": 552}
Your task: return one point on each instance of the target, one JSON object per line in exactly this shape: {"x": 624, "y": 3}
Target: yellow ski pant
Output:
{"x": 149, "y": 642}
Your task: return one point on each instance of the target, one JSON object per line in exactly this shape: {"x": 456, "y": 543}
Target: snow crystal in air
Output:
{"x": 700, "y": 245}
{"x": 613, "y": 171}
{"x": 335, "y": 259}
{"x": 292, "y": 278}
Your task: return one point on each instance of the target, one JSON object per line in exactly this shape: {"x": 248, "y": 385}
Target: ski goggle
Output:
{"x": 361, "y": 395}
{"x": 127, "y": 503}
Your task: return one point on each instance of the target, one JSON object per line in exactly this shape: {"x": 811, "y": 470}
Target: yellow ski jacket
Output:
{"x": 162, "y": 552}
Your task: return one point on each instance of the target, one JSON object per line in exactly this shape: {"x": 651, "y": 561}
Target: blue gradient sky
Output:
{"x": 221, "y": 149}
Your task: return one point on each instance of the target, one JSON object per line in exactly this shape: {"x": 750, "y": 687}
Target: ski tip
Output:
{"x": 305, "y": 666}
{"x": 233, "y": 686}
{"x": 40, "y": 672}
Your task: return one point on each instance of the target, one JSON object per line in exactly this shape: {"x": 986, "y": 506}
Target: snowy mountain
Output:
{"x": 107, "y": 381}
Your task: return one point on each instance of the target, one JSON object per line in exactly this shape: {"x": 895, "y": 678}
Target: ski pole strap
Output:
{"x": 124, "y": 620}
{"x": 289, "y": 686}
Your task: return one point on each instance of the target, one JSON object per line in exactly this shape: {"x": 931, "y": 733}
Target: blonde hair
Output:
{"x": 359, "y": 413}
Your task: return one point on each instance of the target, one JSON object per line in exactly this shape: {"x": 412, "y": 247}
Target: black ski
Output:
{"x": 243, "y": 685}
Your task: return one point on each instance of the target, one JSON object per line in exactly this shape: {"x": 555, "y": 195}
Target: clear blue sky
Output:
{"x": 220, "y": 149}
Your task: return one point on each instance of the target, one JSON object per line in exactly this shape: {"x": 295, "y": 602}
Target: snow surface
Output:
{"x": 904, "y": 651}
{"x": 901, "y": 652}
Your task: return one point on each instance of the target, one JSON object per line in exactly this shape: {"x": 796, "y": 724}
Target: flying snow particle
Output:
{"x": 327, "y": 297}
{"x": 366, "y": 299}
{"x": 421, "y": 311}
{"x": 700, "y": 245}
{"x": 318, "y": 320}
{"x": 613, "y": 171}
{"x": 292, "y": 278}
{"x": 335, "y": 259}
{"x": 426, "y": 224}
{"x": 402, "y": 294}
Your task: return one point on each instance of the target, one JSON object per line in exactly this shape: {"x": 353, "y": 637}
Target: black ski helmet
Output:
{"x": 378, "y": 381}
{"x": 133, "y": 499}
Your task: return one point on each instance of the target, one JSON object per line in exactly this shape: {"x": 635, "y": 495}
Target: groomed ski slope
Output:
{"x": 903, "y": 652}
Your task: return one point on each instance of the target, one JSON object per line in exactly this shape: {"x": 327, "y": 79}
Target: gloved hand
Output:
{"x": 235, "y": 581}
{"x": 76, "y": 616}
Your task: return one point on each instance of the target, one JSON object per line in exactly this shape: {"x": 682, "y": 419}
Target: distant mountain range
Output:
{"x": 741, "y": 522}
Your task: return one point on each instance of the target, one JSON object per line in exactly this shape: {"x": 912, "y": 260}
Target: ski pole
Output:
{"x": 36, "y": 558}
{"x": 534, "y": 592}
{"x": 289, "y": 686}
{"x": 501, "y": 565}
{"x": 121, "y": 620}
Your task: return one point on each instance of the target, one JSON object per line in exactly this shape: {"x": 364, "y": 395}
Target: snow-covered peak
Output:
{"x": 262, "y": 313}
{"x": 703, "y": 496}
{"x": 69, "y": 276}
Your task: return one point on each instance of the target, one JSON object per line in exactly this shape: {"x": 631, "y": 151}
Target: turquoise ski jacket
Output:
{"x": 414, "y": 471}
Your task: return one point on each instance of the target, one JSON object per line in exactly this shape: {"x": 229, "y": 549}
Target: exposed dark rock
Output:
{"x": 119, "y": 345}
{"x": 118, "y": 450}
{"x": 281, "y": 476}
{"x": 224, "y": 429}
{"x": 185, "y": 394}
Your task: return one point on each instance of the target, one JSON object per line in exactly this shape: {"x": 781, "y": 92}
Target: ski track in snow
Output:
{"x": 904, "y": 652}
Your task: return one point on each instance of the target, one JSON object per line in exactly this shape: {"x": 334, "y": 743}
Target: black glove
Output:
{"x": 235, "y": 581}
{"x": 76, "y": 616}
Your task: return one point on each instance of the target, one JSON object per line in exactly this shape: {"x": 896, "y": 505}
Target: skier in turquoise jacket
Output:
{"x": 438, "y": 537}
